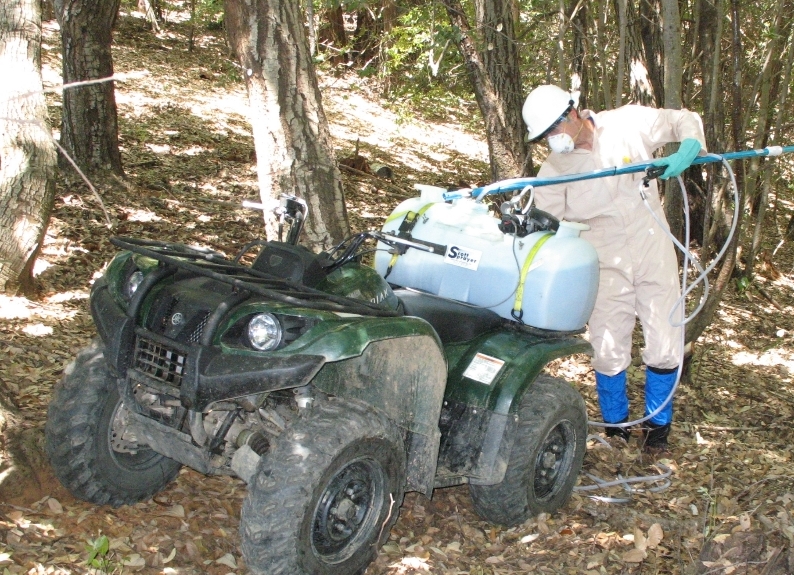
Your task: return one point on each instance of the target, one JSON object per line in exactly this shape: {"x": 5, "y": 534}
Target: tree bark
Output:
{"x": 642, "y": 87}
{"x": 759, "y": 198}
{"x": 673, "y": 72}
{"x": 650, "y": 32}
{"x": 496, "y": 79}
{"x": 89, "y": 132}
{"x": 696, "y": 327}
{"x": 27, "y": 167}
{"x": 623, "y": 24}
{"x": 291, "y": 136}
{"x": 27, "y": 151}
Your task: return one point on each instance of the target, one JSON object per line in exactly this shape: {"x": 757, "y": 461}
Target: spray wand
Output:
{"x": 517, "y": 184}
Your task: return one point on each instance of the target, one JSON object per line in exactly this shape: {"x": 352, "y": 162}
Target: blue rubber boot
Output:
{"x": 614, "y": 402}
{"x": 658, "y": 385}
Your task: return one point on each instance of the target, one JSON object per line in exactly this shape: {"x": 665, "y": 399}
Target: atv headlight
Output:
{"x": 133, "y": 282}
{"x": 264, "y": 332}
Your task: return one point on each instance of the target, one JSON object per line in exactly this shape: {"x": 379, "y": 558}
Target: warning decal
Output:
{"x": 483, "y": 368}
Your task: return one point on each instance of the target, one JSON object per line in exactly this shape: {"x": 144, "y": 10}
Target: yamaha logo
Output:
{"x": 177, "y": 319}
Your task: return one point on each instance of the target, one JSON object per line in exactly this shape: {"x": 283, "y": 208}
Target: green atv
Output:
{"x": 328, "y": 391}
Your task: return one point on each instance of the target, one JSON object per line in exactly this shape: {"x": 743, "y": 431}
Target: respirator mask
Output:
{"x": 561, "y": 143}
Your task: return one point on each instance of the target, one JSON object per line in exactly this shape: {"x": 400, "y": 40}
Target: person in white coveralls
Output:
{"x": 638, "y": 266}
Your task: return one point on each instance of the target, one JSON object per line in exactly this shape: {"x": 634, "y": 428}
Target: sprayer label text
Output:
{"x": 463, "y": 257}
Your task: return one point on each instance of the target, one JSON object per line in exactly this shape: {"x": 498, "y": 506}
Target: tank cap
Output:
{"x": 430, "y": 193}
{"x": 571, "y": 229}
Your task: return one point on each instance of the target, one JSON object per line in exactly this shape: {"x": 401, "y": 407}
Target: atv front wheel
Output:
{"x": 545, "y": 459}
{"x": 323, "y": 501}
{"x": 90, "y": 450}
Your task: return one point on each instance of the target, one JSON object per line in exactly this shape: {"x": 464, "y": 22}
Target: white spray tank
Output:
{"x": 476, "y": 263}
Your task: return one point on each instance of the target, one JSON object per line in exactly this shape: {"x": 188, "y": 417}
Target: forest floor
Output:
{"x": 189, "y": 161}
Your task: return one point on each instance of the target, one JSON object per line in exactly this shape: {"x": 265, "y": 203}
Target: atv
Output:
{"x": 327, "y": 390}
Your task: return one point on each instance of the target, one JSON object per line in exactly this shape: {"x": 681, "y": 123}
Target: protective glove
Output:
{"x": 678, "y": 162}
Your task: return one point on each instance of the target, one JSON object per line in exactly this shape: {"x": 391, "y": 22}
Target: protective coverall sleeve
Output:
{"x": 664, "y": 126}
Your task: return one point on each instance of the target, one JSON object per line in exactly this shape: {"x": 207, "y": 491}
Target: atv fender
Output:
{"x": 479, "y": 415}
{"x": 403, "y": 377}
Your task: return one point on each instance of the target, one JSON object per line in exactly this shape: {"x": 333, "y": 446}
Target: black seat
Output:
{"x": 453, "y": 321}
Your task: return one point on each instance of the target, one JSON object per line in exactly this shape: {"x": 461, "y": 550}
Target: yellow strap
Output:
{"x": 398, "y": 215}
{"x": 525, "y": 270}
{"x": 409, "y": 217}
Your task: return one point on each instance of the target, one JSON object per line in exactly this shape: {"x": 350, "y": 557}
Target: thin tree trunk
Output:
{"x": 311, "y": 27}
{"x": 652, "y": 46}
{"x": 782, "y": 113}
{"x": 642, "y": 87}
{"x": 147, "y": 7}
{"x": 27, "y": 152}
{"x": 671, "y": 41}
{"x": 291, "y": 136}
{"x": 578, "y": 18}
{"x": 704, "y": 318}
{"x": 89, "y": 131}
{"x": 623, "y": 24}
{"x": 761, "y": 137}
{"x": 496, "y": 81}
{"x": 562, "y": 28}
{"x": 710, "y": 37}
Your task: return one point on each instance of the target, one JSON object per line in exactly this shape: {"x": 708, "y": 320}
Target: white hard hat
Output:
{"x": 545, "y": 107}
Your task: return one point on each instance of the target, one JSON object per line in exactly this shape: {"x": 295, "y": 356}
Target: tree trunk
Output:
{"x": 673, "y": 72}
{"x": 153, "y": 15}
{"x": 496, "y": 79}
{"x": 760, "y": 198}
{"x": 703, "y": 319}
{"x": 27, "y": 152}
{"x": 89, "y": 132}
{"x": 650, "y": 31}
{"x": 642, "y": 88}
{"x": 578, "y": 18}
{"x": 623, "y": 24}
{"x": 709, "y": 35}
{"x": 291, "y": 136}
{"x": 27, "y": 167}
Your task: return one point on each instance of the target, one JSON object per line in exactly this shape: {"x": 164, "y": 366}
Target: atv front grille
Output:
{"x": 159, "y": 361}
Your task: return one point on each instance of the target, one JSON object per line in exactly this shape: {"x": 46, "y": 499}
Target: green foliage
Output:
{"x": 422, "y": 62}
{"x": 742, "y": 285}
{"x": 99, "y": 556}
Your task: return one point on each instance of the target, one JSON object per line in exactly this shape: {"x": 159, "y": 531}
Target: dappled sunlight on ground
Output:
{"x": 356, "y": 115}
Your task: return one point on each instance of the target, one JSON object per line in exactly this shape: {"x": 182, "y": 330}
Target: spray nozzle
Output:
{"x": 651, "y": 173}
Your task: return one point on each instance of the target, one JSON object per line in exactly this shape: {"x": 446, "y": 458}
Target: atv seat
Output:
{"x": 453, "y": 321}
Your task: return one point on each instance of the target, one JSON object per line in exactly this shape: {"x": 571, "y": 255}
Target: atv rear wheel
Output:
{"x": 323, "y": 501}
{"x": 545, "y": 459}
{"x": 89, "y": 448}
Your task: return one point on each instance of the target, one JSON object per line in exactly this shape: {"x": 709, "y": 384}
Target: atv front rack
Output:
{"x": 217, "y": 267}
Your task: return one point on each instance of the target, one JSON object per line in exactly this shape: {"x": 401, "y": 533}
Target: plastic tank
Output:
{"x": 482, "y": 266}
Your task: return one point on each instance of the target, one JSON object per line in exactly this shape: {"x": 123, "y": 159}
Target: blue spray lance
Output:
{"x": 518, "y": 184}
{"x": 525, "y": 185}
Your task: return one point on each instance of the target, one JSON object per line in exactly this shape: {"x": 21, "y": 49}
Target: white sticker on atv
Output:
{"x": 483, "y": 368}
{"x": 463, "y": 257}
